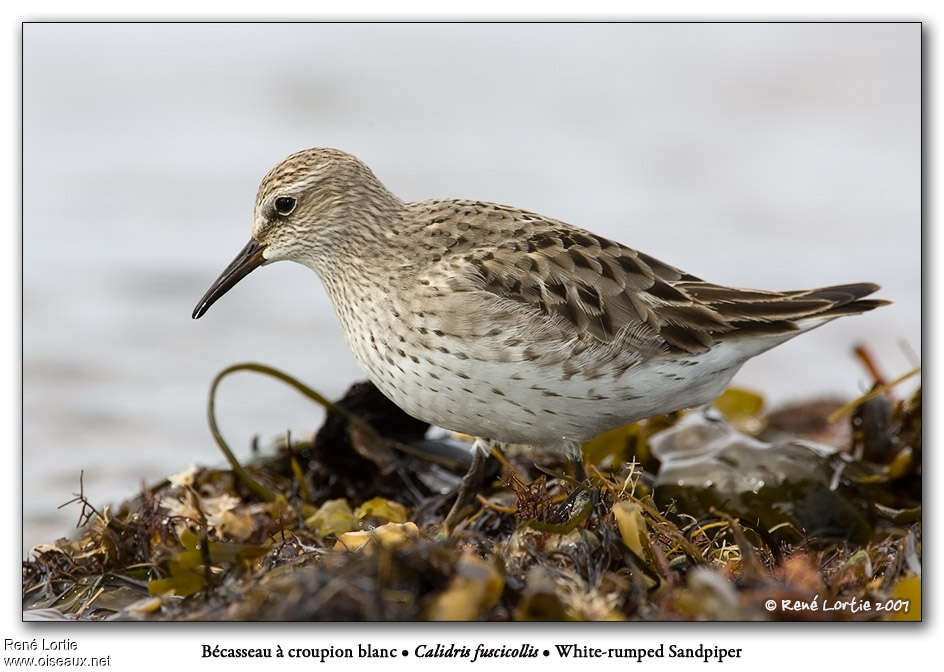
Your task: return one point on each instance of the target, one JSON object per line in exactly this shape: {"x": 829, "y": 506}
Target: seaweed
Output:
{"x": 703, "y": 515}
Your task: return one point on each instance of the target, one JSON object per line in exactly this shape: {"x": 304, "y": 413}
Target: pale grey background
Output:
{"x": 772, "y": 156}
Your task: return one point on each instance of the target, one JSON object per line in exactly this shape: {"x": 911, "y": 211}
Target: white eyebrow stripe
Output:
{"x": 302, "y": 185}
{"x": 293, "y": 189}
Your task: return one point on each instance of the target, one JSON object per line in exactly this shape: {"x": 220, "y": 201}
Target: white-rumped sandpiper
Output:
{"x": 505, "y": 324}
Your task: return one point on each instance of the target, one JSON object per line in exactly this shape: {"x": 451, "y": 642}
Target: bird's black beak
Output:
{"x": 249, "y": 259}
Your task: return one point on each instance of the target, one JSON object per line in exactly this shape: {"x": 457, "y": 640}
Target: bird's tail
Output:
{"x": 845, "y": 299}
{"x": 750, "y": 312}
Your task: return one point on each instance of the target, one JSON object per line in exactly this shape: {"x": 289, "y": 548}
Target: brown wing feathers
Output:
{"x": 605, "y": 289}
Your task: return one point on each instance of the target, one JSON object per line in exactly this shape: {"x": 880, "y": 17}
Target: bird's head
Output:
{"x": 312, "y": 205}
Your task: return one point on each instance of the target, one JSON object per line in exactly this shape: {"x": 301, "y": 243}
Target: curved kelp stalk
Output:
{"x": 260, "y": 490}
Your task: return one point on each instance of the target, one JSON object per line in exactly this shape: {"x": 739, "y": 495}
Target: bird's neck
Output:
{"x": 366, "y": 250}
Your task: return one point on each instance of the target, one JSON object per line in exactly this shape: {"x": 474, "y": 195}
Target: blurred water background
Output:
{"x": 778, "y": 156}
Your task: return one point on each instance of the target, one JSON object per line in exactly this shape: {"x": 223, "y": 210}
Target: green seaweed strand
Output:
{"x": 260, "y": 490}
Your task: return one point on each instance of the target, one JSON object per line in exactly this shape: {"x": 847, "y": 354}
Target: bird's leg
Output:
{"x": 575, "y": 458}
{"x": 471, "y": 483}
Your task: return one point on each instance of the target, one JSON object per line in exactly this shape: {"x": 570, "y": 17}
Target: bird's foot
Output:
{"x": 471, "y": 486}
{"x": 575, "y": 458}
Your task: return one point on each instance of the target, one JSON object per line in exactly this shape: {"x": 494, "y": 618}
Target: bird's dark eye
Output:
{"x": 284, "y": 205}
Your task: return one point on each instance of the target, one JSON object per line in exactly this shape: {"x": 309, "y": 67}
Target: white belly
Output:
{"x": 535, "y": 402}
{"x": 520, "y": 384}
